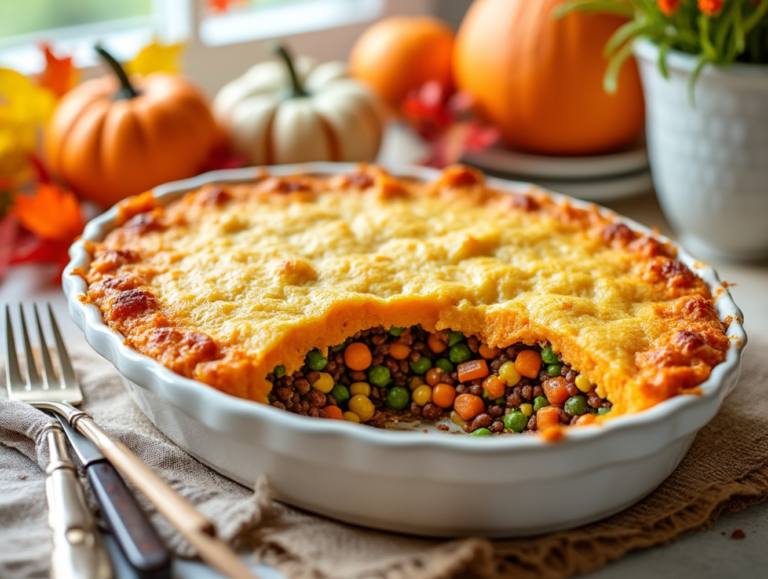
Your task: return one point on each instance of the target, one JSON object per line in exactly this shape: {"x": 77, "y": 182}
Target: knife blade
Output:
{"x": 137, "y": 538}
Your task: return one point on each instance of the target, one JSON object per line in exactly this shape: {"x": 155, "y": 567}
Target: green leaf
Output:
{"x": 663, "y": 50}
{"x": 611, "y": 79}
{"x": 700, "y": 64}
{"x": 630, "y": 30}
{"x": 756, "y": 17}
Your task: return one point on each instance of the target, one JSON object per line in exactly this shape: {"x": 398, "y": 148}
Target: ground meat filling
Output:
{"x": 381, "y": 375}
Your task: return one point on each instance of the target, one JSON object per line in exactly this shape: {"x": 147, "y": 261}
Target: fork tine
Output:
{"x": 68, "y": 378}
{"x": 49, "y": 376}
{"x": 33, "y": 378}
{"x": 12, "y": 375}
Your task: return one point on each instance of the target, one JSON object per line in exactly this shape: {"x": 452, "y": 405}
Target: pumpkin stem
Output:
{"x": 127, "y": 91}
{"x": 296, "y": 89}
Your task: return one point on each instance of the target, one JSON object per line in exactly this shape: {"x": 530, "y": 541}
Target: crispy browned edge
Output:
{"x": 118, "y": 278}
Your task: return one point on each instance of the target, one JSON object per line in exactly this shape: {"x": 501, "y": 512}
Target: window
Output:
{"x": 124, "y": 26}
{"x": 256, "y": 19}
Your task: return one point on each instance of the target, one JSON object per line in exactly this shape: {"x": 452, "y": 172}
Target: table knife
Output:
{"x": 78, "y": 552}
{"x": 136, "y": 536}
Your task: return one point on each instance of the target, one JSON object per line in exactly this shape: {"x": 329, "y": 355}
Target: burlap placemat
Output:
{"x": 725, "y": 470}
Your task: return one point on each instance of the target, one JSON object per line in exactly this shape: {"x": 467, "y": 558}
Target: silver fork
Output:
{"x": 59, "y": 396}
{"x": 77, "y": 549}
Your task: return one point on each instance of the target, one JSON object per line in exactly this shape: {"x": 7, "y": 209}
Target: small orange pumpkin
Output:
{"x": 539, "y": 80}
{"x": 109, "y": 139}
{"x": 399, "y": 54}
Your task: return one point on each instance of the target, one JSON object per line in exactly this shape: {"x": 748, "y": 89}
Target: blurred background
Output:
{"x": 661, "y": 100}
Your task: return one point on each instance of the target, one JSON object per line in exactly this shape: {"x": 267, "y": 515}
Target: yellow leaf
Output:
{"x": 156, "y": 57}
{"x": 24, "y": 108}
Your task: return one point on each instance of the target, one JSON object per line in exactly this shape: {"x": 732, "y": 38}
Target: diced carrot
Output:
{"x": 399, "y": 351}
{"x": 556, "y": 390}
{"x": 488, "y": 353}
{"x": 547, "y": 417}
{"x": 495, "y": 387}
{"x": 437, "y": 342}
{"x": 468, "y": 406}
{"x": 528, "y": 363}
{"x": 553, "y": 434}
{"x": 585, "y": 419}
{"x": 443, "y": 395}
{"x": 357, "y": 356}
{"x": 472, "y": 370}
{"x": 333, "y": 412}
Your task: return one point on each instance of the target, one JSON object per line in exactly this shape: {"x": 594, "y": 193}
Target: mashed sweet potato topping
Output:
{"x": 231, "y": 281}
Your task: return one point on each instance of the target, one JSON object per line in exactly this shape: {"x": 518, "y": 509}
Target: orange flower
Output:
{"x": 50, "y": 213}
{"x": 711, "y": 7}
{"x": 669, "y": 7}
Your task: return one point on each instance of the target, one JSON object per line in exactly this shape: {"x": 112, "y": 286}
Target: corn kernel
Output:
{"x": 422, "y": 395}
{"x": 351, "y": 417}
{"x": 414, "y": 382}
{"x": 324, "y": 383}
{"x": 362, "y": 406}
{"x": 582, "y": 383}
{"x": 526, "y": 409}
{"x": 456, "y": 419}
{"x": 360, "y": 388}
{"x": 509, "y": 374}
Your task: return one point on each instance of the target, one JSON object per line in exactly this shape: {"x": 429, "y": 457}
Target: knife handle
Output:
{"x": 77, "y": 549}
{"x": 136, "y": 536}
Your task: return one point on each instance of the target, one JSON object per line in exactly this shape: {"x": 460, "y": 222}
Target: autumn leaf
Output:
{"x": 50, "y": 213}
{"x": 24, "y": 108}
{"x": 59, "y": 75}
{"x": 156, "y": 57}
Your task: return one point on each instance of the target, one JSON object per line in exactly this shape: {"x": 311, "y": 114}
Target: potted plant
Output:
{"x": 703, "y": 67}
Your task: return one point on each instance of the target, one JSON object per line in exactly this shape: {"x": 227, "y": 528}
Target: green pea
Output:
{"x": 481, "y": 432}
{"x": 279, "y": 371}
{"x": 421, "y": 366}
{"x": 602, "y": 411}
{"x": 549, "y": 356}
{"x": 398, "y": 397}
{"x": 576, "y": 405}
{"x": 459, "y": 353}
{"x": 396, "y": 331}
{"x": 485, "y": 395}
{"x": 515, "y": 421}
{"x": 454, "y": 338}
{"x": 379, "y": 376}
{"x": 500, "y": 401}
{"x": 540, "y": 402}
{"x": 554, "y": 369}
{"x": 316, "y": 361}
{"x": 341, "y": 394}
{"x": 445, "y": 364}
{"x": 341, "y": 346}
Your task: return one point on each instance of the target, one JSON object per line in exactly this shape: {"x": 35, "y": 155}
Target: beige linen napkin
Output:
{"x": 725, "y": 470}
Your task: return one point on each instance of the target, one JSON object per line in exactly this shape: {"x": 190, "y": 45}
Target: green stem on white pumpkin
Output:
{"x": 127, "y": 90}
{"x": 297, "y": 90}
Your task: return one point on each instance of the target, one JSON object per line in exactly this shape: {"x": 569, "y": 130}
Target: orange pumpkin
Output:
{"x": 539, "y": 80}
{"x": 399, "y": 54}
{"x": 109, "y": 139}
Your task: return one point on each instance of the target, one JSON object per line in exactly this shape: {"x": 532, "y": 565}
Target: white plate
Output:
{"x": 413, "y": 482}
{"x": 533, "y": 167}
{"x": 611, "y": 189}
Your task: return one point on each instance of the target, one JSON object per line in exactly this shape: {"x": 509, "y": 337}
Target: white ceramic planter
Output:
{"x": 709, "y": 160}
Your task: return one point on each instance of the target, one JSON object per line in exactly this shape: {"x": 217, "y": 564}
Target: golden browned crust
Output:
{"x": 230, "y": 281}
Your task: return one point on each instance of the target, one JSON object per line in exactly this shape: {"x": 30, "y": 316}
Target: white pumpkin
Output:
{"x": 299, "y": 111}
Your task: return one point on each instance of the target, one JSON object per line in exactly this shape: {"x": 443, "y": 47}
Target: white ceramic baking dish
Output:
{"x": 409, "y": 481}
